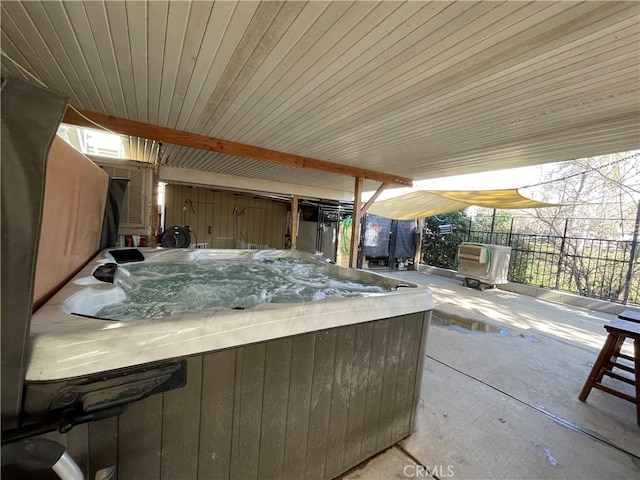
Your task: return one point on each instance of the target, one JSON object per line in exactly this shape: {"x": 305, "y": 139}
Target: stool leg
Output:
{"x": 601, "y": 363}
{"x": 636, "y": 361}
{"x": 608, "y": 366}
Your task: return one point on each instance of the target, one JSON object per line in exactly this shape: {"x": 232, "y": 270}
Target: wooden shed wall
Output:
{"x": 219, "y": 217}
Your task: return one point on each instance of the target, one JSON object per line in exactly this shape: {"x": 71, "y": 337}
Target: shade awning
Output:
{"x": 426, "y": 203}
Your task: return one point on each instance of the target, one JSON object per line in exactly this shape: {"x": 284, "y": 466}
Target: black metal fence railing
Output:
{"x": 591, "y": 267}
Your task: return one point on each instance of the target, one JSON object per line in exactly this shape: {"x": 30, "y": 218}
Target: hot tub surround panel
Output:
{"x": 305, "y": 406}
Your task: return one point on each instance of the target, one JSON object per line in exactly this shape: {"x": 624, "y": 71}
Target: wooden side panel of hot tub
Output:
{"x": 309, "y": 406}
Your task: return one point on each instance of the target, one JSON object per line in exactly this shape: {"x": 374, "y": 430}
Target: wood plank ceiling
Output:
{"x": 414, "y": 89}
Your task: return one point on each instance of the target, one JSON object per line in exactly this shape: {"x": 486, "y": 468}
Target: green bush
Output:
{"x": 438, "y": 249}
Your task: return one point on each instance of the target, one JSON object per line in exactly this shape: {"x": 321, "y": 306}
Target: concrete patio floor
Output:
{"x": 505, "y": 405}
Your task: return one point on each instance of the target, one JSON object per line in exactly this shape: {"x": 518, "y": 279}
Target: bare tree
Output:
{"x": 591, "y": 231}
{"x": 600, "y": 198}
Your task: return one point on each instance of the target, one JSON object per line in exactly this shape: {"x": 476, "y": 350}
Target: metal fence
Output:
{"x": 592, "y": 267}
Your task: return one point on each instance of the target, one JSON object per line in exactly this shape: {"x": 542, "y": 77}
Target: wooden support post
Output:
{"x": 418, "y": 257}
{"x": 155, "y": 209}
{"x": 374, "y": 197}
{"x": 355, "y": 223}
{"x": 294, "y": 222}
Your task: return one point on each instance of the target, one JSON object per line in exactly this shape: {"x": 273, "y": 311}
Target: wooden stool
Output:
{"x": 619, "y": 330}
{"x": 630, "y": 315}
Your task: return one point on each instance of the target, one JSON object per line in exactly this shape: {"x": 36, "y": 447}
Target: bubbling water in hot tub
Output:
{"x": 157, "y": 290}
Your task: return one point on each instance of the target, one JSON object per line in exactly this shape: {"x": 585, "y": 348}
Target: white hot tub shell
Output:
{"x": 65, "y": 344}
{"x": 294, "y": 390}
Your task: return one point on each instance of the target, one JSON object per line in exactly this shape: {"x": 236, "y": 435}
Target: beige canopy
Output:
{"x": 426, "y": 203}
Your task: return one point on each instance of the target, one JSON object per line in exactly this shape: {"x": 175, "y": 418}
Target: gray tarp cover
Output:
{"x": 376, "y": 236}
{"x": 30, "y": 119}
{"x": 111, "y": 220}
{"x": 405, "y": 239}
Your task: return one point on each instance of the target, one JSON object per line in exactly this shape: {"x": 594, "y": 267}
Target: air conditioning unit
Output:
{"x": 472, "y": 253}
{"x": 482, "y": 265}
{"x": 135, "y": 216}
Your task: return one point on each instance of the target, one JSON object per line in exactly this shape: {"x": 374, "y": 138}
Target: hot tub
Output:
{"x": 277, "y": 389}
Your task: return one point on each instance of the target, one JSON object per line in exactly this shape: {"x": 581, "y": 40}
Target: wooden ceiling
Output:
{"x": 411, "y": 89}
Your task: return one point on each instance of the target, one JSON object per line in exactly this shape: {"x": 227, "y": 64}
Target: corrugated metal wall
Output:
{"x": 220, "y": 217}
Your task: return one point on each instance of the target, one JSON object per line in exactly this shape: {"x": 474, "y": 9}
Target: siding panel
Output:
{"x": 302, "y": 358}
{"x": 248, "y": 402}
{"x": 320, "y": 411}
{"x": 254, "y": 220}
{"x": 358, "y": 393}
{"x": 274, "y": 408}
{"x": 216, "y": 414}
{"x": 340, "y": 395}
{"x": 308, "y": 406}
{"x": 103, "y": 445}
{"x": 181, "y": 426}
{"x": 140, "y": 439}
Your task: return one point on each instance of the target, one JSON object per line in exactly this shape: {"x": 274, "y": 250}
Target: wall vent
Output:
{"x": 135, "y": 216}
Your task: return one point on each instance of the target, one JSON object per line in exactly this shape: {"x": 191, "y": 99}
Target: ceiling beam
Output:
{"x": 194, "y": 140}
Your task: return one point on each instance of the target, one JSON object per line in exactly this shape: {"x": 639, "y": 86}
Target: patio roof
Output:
{"x": 413, "y": 90}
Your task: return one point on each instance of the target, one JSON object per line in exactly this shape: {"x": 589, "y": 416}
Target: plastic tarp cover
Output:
{"x": 405, "y": 239}
{"x": 30, "y": 119}
{"x": 427, "y": 203}
{"x": 376, "y": 236}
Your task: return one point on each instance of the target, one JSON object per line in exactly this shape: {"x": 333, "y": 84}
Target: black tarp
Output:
{"x": 405, "y": 239}
{"x": 30, "y": 119}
